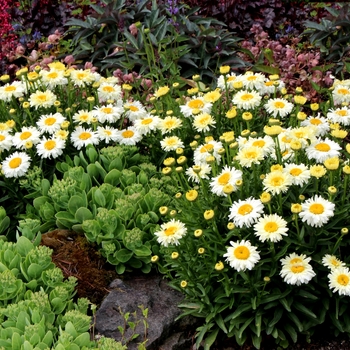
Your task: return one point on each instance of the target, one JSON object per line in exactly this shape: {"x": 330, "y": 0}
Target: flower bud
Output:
{"x": 219, "y": 266}
{"x": 209, "y": 214}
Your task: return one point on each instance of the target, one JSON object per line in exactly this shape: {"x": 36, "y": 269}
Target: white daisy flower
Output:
{"x": 171, "y": 143}
{"x": 246, "y": 212}
{"x": 50, "y": 148}
{"x": 50, "y": 123}
{"x": 322, "y": 149}
{"x": 16, "y": 165}
{"x": 107, "y": 133}
{"x": 249, "y": 155}
{"x": 266, "y": 143}
{"x": 109, "y": 113}
{"x": 271, "y": 228}
{"x": 53, "y": 78}
{"x": 107, "y": 91}
{"x": 296, "y": 269}
{"x": 129, "y": 136}
{"x": 135, "y": 110}
{"x": 109, "y": 80}
{"x": 246, "y": 99}
{"x": 253, "y": 80}
{"x": 242, "y": 255}
{"x": 169, "y": 124}
{"x": 332, "y": 262}
{"x": 42, "y": 99}
{"x": 300, "y": 173}
{"x": 277, "y": 182}
{"x": 316, "y": 211}
{"x": 341, "y": 94}
{"x": 15, "y": 89}
{"x": 320, "y": 124}
{"x": 147, "y": 124}
{"x": 62, "y": 134}
{"x": 202, "y": 152}
{"x": 196, "y": 105}
{"x": 83, "y": 116}
{"x": 278, "y": 107}
{"x": 302, "y": 134}
{"x": 339, "y": 281}
{"x": 82, "y": 77}
{"x": 204, "y": 171}
{"x": 269, "y": 87}
{"x": 339, "y": 115}
{"x": 171, "y": 232}
{"x": 203, "y": 122}
{"x": 228, "y": 176}
{"x": 27, "y": 134}
{"x": 82, "y": 137}
{"x": 5, "y": 141}
{"x": 230, "y": 79}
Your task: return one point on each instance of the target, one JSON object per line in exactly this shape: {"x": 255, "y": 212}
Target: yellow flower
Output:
{"x": 332, "y": 190}
{"x": 296, "y": 208}
{"x": 344, "y": 231}
{"x": 198, "y": 233}
{"x": 191, "y": 195}
{"x": 318, "y": 171}
{"x": 219, "y": 266}
{"x": 175, "y": 255}
{"x": 231, "y": 226}
{"x": 161, "y": 91}
{"x": 169, "y": 161}
{"x": 163, "y": 210}
{"x": 212, "y": 96}
{"x": 154, "y": 258}
{"x": 265, "y": 198}
{"x": 247, "y": 116}
{"x": 237, "y": 85}
{"x": 209, "y": 214}
{"x": 183, "y": 284}
{"x": 201, "y": 251}
{"x": 232, "y": 113}
{"x": 225, "y": 69}
{"x": 339, "y": 133}
{"x": 300, "y": 100}
{"x": 332, "y": 163}
{"x": 314, "y": 106}
{"x": 301, "y": 116}
{"x": 166, "y": 171}
{"x": 273, "y": 130}
{"x": 346, "y": 169}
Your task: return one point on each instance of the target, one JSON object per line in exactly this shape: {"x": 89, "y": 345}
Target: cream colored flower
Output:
{"x": 16, "y": 164}
{"x": 246, "y": 212}
{"x": 129, "y": 136}
{"x": 271, "y": 228}
{"x": 277, "y": 182}
{"x": 203, "y": 122}
{"x": 296, "y": 269}
{"x": 228, "y": 176}
{"x": 316, "y": 211}
{"x": 278, "y": 107}
{"x": 27, "y": 134}
{"x": 339, "y": 280}
{"x": 171, "y": 232}
{"x": 320, "y": 150}
{"x": 43, "y": 99}
{"x": 82, "y": 137}
{"x": 50, "y": 148}
{"x": 242, "y": 255}
{"x": 246, "y": 99}
{"x": 171, "y": 143}
{"x": 339, "y": 115}
{"x": 332, "y": 262}
{"x": 168, "y": 124}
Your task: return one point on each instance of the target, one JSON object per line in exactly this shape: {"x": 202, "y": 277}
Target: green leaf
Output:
{"x": 266, "y": 69}
{"x": 285, "y": 304}
{"x": 209, "y": 340}
{"x": 99, "y": 198}
{"x": 40, "y": 201}
{"x": 123, "y": 255}
{"x": 291, "y": 331}
{"x": 76, "y": 202}
{"x": 304, "y": 310}
{"x": 142, "y": 251}
{"x": 24, "y": 246}
{"x": 113, "y": 177}
{"x": 83, "y": 214}
{"x": 16, "y": 341}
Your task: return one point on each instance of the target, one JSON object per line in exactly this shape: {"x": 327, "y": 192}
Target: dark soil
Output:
{"x": 76, "y": 257}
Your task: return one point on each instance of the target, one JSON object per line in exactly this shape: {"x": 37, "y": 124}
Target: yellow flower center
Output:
{"x": 133, "y": 108}
{"x": 224, "y": 179}
{"x": 251, "y": 78}
{"x": 322, "y": 147}
{"x": 25, "y": 135}
{"x": 128, "y": 134}
{"x": 343, "y": 280}
{"x": 2, "y": 137}
{"x": 241, "y": 252}
{"x": 108, "y": 88}
{"x": 343, "y": 91}
{"x": 295, "y": 172}
{"x": 108, "y": 132}
{"x": 251, "y": 154}
{"x": 231, "y": 78}
{"x": 49, "y": 145}
{"x": 277, "y": 181}
{"x": 279, "y": 104}
{"x": 259, "y": 143}
{"x": 247, "y": 97}
{"x": 316, "y": 208}
{"x": 146, "y": 121}
{"x": 42, "y": 98}
{"x": 81, "y": 76}
{"x": 271, "y": 227}
{"x": 84, "y": 117}
{"x": 269, "y": 83}
{"x": 205, "y": 119}
{"x": 335, "y": 262}
{"x": 285, "y": 139}
{"x": 196, "y": 104}
{"x": 170, "y": 231}
{"x": 50, "y": 121}
{"x": 207, "y": 148}
{"x": 315, "y": 121}
{"x": 10, "y": 88}
{"x": 169, "y": 123}
{"x": 297, "y": 268}
{"x": 245, "y": 209}
{"x": 15, "y": 162}
{"x": 296, "y": 261}
{"x": 52, "y": 75}
{"x": 84, "y": 136}
{"x": 106, "y": 110}
{"x": 342, "y": 113}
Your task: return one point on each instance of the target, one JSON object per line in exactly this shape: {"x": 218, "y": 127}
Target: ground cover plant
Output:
{"x": 235, "y": 189}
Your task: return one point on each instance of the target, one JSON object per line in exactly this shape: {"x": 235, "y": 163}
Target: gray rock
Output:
{"x": 152, "y": 292}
